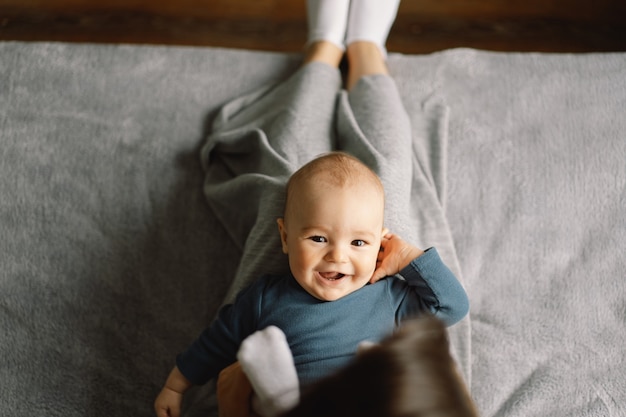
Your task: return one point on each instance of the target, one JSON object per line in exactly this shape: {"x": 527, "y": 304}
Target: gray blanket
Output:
{"x": 112, "y": 261}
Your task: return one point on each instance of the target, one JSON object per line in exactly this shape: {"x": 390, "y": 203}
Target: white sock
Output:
{"x": 267, "y": 361}
{"x": 327, "y": 20}
{"x": 371, "y": 20}
{"x": 364, "y": 346}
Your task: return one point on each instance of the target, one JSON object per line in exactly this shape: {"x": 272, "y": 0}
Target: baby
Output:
{"x": 343, "y": 288}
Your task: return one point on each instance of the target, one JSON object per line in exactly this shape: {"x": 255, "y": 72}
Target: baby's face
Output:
{"x": 332, "y": 236}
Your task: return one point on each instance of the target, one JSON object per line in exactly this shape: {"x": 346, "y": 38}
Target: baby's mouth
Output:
{"x": 332, "y": 276}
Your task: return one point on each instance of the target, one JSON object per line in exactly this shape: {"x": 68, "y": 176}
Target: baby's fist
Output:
{"x": 394, "y": 255}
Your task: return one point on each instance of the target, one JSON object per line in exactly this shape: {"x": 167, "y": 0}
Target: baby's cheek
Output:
{"x": 368, "y": 268}
{"x": 374, "y": 258}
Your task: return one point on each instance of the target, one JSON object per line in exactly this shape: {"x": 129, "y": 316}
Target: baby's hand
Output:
{"x": 168, "y": 403}
{"x": 394, "y": 255}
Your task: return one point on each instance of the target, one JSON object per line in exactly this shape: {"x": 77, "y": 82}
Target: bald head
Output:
{"x": 333, "y": 170}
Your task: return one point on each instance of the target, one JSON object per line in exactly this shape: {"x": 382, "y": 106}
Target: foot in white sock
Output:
{"x": 267, "y": 361}
{"x": 327, "y": 20}
{"x": 371, "y": 21}
{"x": 364, "y": 346}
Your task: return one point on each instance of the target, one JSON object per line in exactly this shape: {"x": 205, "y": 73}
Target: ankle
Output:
{"x": 364, "y": 58}
{"x": 365, "y": 50}
{"x": 323, "y": 51}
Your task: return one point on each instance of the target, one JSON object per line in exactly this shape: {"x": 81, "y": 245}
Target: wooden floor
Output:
{"x": 422, "y": 26}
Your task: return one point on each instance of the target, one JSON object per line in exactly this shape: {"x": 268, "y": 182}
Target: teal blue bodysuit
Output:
{"x": 323, "y": 335}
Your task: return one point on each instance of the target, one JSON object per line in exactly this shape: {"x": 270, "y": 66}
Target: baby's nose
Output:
{"x": 336, "y": 253}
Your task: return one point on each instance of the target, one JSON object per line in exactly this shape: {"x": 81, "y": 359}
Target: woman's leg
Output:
{"x": 257, "y": 142}
{"x": 373, "y": 125}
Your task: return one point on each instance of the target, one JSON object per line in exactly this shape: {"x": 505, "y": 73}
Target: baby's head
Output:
{"x": 333, "y": 225}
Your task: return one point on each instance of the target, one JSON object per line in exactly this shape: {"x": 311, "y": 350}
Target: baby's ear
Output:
{"x": 283, "y": 233}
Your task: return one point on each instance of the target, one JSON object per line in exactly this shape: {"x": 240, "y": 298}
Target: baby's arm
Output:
{"x": 395, "y": 255}
{"x": 214, "y": 349}
{"x": 434, "y": 288}
{"x": 169, "y": 400}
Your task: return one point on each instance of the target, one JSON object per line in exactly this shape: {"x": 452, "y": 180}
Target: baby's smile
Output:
{"x": 332, "y": 276}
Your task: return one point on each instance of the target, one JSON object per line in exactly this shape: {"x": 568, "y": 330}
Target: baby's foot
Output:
{"x": 364, "y": 346}
{"x": 267, "y": 361}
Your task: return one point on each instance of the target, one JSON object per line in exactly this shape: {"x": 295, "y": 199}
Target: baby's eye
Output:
{"x": 318, "y": 239}
{"x": 358, "y": 242}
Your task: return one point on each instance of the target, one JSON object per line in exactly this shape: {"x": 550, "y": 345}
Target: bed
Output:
{"x": 112, "y": 261}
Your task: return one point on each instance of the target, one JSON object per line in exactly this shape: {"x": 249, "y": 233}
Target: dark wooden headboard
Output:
{"x": 280, "y": 25}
